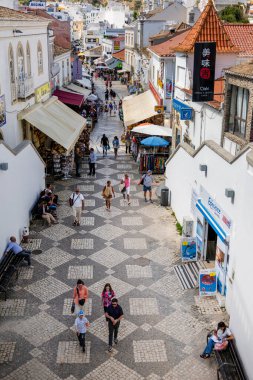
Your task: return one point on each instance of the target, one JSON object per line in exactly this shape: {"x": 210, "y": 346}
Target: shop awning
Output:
{"x": 111, "y": 63}
{"x": 137, "y": 108}
{"x": 217, "y": 228}
{"x": 70, "y": 98}
{"x": 152, "y": 130}
{"x": 84, "y": 82}
{"x": 80, "y": 90}
{"x": 123, "y": 71}
{"x": 57, "y": 121}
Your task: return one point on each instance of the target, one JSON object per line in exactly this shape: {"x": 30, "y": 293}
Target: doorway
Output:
{"x": 211, "y": 243}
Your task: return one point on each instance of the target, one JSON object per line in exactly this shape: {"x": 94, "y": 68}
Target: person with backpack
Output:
{"x": 146, "y": 181}
{"x": 107, "y": 193}
{"x": 104, "y": 144}
{"x": 115, "y": 144}
{"x": 76, "y": 201}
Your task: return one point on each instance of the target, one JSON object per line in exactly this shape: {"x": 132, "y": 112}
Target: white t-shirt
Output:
{"x": 81, "y": 325}
{"x": 221, "y": 335}
{"x": 77, "y": 199}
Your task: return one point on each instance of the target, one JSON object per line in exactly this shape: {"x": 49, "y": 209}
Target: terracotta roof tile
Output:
{"x": 11, "y": 14}
{"x": 59, "y": 50}
{"x": 166, "y": 49}
{"x": 242, "y": 36}
{"x": 208, "y": 28}
{"x": 119, "y": 55}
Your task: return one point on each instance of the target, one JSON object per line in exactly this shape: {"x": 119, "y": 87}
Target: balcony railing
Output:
{"x": 25, "y": 87}
{"x": 13, "y": 91}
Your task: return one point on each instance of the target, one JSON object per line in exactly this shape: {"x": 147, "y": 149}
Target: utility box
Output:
{"x": 187, "y": 226}
{"x": 164, "y": 196}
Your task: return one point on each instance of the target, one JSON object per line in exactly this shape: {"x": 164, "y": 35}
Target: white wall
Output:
{"x": 64, "y": 76}
{"x": 20, "y": 187}
{"x": 33, "y": 32}
{"x": 183, "y": 175}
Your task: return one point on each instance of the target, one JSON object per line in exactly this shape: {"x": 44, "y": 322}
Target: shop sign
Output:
{"x": 199, "y": 237}
{"x": 116, "y": 45}
{"x": 2, "y": 111}
{"x": 37, "y": 5}
{"x": 169, "y": 89}
{"x": 159, "y": 82}
{"x": 159, "y": 109}
{"x": 188, "y": 249}
{"x": 204, "y": 71}
{"x": 215, "y": 210}
{"x": 207, "y": 282}
{"x": 184, "y": 110}
{"x": 41, "y": 91}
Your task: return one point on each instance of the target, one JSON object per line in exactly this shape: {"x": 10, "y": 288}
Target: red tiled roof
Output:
{"x": 166, "y": 49}
{"x": 119, "y": 38}
{"x": 119, "y": 55}
{"x": 11, "y": 14}
{"x": 208, "y": 28}
{"x": 242, "y": 36}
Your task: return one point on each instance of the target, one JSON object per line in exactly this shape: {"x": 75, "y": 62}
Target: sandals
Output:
{"x": 204, "y": 356}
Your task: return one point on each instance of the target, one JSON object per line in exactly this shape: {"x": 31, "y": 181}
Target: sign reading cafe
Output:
{"x": 204, "y": 71}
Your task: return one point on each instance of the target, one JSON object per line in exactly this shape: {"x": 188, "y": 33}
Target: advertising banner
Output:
{"x": 37, "y": 5}
{"x": 116, "y": 45}
{"x": 207, "y": 282}
{"x": 2, "y": 111}
{"x": 169, "y": 89}
{"x": 188, "y": 249}
{"x": 204, "y": 71}
{"x": 41, "y": 91}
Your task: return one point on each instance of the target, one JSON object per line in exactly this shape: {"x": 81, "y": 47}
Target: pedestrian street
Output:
{"x": 134, "y": 248}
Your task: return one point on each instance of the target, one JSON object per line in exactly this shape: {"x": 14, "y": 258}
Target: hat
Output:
{"x": 149, "y": 171}
{"x": 81, "y": 313}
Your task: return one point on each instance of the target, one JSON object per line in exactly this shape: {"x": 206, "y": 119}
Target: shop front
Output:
{"x": 54, "y": 130}
{"x": 213, "y": 230}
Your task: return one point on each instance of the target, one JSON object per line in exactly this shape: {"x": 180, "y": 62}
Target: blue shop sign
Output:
{"x": 184, "y": 110}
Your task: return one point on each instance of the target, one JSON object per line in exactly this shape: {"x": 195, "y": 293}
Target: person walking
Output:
{"x": 108, "y": 192}
{"x": 126, "y": 188}
{"x": 115, "y": 144}
{"x": 114, "y": 314}
{"x": 128, "y": 142}
{"x": 147, "y": 181}
{"x": 106, "y": 297}
{"x": 81, "y": 324}
{"x": 18, "y": 250}
{"x": 76, "y": 201}
{"x": 80, "y": 295}
{"x": 110, "y": 108}
{"x": 92, "y": 162}
{"x": 104, "y": 144}
{"x": 115, "y": 107}
{"x": 78, "y": 160}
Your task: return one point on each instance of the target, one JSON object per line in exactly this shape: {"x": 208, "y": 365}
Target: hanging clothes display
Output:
{"x": 154, "y": 162}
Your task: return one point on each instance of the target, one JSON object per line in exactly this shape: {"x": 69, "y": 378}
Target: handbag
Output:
{"x": 123, "y": 190}
{"x": 221, "y": 346}
{"x": 141, "y": 181}
{"x": 73, "y": 307}
{"x": 81, "y": 302}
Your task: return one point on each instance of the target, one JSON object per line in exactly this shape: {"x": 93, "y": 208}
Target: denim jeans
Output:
{"x": 105, "y": 148}
{"x": 209, "y": 347}
{"x": 26, "y": 256}
{"x": 113, "y": 331}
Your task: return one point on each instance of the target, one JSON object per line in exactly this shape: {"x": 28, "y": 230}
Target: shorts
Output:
{"x": 146, "y": 188}
{"x": 127, "y": 190}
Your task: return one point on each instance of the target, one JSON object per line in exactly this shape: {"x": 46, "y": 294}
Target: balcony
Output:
{"x": 13, "y": 91}
{"x": 25, "y": 87}
{"x": 55, "y": 69}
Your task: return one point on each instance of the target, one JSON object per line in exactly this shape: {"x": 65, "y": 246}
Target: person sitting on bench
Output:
{"x": 219, "y": 336}
{"x": 49, "y": 190}
{"x": 18, "y": 250}
{"x": 44, "y": 211}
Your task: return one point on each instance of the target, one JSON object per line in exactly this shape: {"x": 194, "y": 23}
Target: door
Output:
{"x": 211, "y": 243}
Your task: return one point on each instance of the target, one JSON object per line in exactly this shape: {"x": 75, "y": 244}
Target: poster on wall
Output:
{"x": 116, "y": 45}
{"x": 221, "y": 265}
{"x": 204, "y": 71}
{"x": 207, "y": 282}
{"x": 2, "y": 111}
{"x": 188, "y": 249}
{"x": 169, "y": 89}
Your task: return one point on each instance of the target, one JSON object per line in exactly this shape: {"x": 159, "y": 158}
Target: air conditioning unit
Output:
{"x": 187, "y": 226}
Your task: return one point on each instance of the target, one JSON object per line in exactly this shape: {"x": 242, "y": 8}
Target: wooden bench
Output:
{"x": 229, "y": 364}
{"x": 9, "y": 266}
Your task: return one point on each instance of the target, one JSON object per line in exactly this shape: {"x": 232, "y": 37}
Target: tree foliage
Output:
{"x": 137, "y": 4}
{"x": 233, "y": 14}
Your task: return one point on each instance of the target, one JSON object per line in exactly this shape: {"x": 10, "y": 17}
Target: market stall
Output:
{"x": 54, "y": 130}
{"x": 153, "y": 154}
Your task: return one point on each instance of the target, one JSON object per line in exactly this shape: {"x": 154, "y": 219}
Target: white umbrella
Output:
{"x": 152, "y": 130}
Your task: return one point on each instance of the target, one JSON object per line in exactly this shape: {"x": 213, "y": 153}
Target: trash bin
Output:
{"x": 164, "y": 196}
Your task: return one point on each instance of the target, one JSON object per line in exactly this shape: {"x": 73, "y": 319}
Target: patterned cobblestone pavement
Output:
{"x": 134, "y": 248}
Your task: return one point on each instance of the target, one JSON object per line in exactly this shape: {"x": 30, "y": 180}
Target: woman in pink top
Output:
{"x": 107, "y": 295}
{"x": 80, "y": 296}
{"x": 126, "y": 189}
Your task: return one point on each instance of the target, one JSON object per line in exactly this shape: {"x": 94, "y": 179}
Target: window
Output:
{"x": 238, "y": 110}
{"x": 191, "y": 17}
{"x": 40, "y": 58}
{"x": 28, "y": 59}
{"x": 21, "y": 62}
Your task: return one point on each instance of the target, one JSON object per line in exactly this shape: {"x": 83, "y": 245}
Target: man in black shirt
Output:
{"x": 114, "y": 314}
{"x": 105, "y": 144}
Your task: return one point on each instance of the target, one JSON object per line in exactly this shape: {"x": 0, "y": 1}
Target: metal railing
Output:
{"x": 25, "y": 87}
